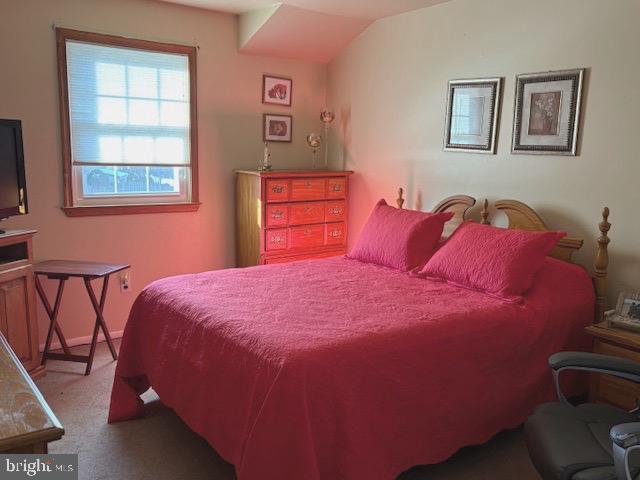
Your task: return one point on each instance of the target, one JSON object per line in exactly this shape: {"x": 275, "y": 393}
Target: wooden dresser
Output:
{"x": 27, "y": 424}
{"x": 282, "y": 216}
{"x": 18, "y": 316}
{"x": 619, "y": 343}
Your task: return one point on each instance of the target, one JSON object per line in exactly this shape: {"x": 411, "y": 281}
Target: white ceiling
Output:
{"x": 363, "y": 9}
{"x": 311, "y": 30}
{"x": 297, "y": 33}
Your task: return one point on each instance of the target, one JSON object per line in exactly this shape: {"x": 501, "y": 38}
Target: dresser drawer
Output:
{"x": 335, "y": 211}
{"x": 337, "y": 187}
{"x": 613, "y": 390}
{"x": 304, "y": 256}
{"x": 308, "y": 189}
{"x": 275, "y": 239}
{"x": 303, "y": 213}
{"x": 336, "y": 234}
{"x": 277, "y": 190}
{"x": 307, "y": 236}
{"x": 277, "y": 215}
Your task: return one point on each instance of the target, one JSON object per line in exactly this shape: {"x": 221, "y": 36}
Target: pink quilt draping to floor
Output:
{"x": 337, "y": 369}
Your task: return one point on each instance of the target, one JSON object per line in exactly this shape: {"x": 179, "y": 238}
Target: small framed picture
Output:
{"x": 547, "y": 112}
{"x": 629, "y": 305}
{"x": 472, "y": 115}
{"x": 277, "y": 128}
{"x": 276, "y": 90}
{"x": 627, "y": 312}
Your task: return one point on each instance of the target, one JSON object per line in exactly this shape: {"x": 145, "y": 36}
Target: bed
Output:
{"x": 339, "y": 369}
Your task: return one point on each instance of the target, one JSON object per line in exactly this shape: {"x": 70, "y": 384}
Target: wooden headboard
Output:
{"x": 458, "y": 204}
{"x": 523, "y": 217}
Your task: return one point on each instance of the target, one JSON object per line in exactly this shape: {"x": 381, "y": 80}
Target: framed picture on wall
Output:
{"x": 277, "y": 128}
{"x": 277, "y": 90}
{"x": 547, "y": 112}
{"x": 472, "y": 115}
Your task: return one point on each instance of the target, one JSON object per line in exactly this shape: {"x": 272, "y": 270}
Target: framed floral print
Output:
{"x": 276, "y": 90}
{"x": 277, "y": 128}
{"x": 472, "y": 115}
{"x": 547, "y": 112}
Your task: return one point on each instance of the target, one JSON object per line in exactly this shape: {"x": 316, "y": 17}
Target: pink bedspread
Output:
{"x": 336, "y": 369}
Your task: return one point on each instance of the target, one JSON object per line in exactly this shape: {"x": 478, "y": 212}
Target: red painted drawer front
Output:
{"x": 308, "y": 189}
{"x": 307, "y": 236}
{"x": 277, "y": 215}
{"x": 335, "y": 211}
{"x": 337, "y": 188}
{"x": 277, "y": 190}
{"x": 303, "y": 213}
{"x": 304, "y": 256}
{"x": 276, "y": 239}
{"x": 336, "y": 234}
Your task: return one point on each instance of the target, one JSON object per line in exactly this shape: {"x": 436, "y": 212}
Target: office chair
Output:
{"x": 587, "y": 442}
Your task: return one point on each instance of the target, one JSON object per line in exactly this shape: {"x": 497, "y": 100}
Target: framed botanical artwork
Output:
{"x": 547, "y": 112}
{"x": 277, "y": 90}
{"x": 277, "y": 128}
{"x": 472, "y": 115}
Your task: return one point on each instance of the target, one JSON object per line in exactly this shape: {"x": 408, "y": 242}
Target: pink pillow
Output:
{"x": 498, "y": 261}
{"x": 397, "y": 238}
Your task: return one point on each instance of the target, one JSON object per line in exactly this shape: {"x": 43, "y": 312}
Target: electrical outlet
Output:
{"x": 125, "y": 282}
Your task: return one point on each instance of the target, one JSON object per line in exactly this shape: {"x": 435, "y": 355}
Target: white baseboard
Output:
{"x": 72, "y": 342}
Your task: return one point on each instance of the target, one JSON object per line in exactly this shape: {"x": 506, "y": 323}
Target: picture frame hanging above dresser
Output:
{"x": 473, "y": 109}
{"x": 277, "y": 90}
{"x": 547, "y": 112}
{"x": 277, "y": 128}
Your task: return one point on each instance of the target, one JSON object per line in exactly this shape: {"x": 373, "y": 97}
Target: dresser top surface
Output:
{"x": 23, "y": 411}
{"x": 16, "y": 233}
{"x": 295, "y": 173}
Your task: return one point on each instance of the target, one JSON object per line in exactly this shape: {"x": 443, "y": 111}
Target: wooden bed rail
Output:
{"x": 601, "y": 265}
{"x": 400, "y": 200}
{"x": 523, "y": 217}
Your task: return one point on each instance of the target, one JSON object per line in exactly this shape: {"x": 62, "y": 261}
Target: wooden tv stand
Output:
{"x": 18, "y": 315}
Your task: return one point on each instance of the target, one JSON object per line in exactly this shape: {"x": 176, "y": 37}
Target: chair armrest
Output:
{"x": 626, "y": 439}
{"x": 626, "y": 435}
{"x": 594, "y": 362}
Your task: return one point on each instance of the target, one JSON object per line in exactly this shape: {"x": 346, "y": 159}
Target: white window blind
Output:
{"x": 127, "y": 107}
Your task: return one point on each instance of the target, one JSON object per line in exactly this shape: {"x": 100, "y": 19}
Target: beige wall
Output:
{"x": 230, "y": 136}
{"x": 389, "y": 90}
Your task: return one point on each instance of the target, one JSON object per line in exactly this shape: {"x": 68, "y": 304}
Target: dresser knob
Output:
{"x": 335, "y": 233}
{"x": 336, "y": 187}
{"x": 277, "y": 189}
{"x": 335, "y": 211}
{"x": 277, "y": 214}
{"x": 277, "y": 239}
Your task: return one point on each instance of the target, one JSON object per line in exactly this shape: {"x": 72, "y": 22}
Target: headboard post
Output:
{"x": 602, "y": 262}
{"x": 400, "y": 200}
{"x": 484, "y": 214}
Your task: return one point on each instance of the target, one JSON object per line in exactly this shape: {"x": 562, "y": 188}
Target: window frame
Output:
{"x": 71, "y": 210}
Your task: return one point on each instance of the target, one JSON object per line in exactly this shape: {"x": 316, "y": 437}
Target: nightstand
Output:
{"x": 619, "y": 343}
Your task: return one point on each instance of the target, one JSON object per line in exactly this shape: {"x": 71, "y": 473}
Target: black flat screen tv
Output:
{"x": 13, "y": 185}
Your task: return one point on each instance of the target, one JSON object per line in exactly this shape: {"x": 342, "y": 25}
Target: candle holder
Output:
{"x": 314, "y": 140}
{"x": 327, "y": 117}
{"x": 265, "y": 165}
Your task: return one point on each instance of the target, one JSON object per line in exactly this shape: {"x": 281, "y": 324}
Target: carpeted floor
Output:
{"x": 161, "y": 447}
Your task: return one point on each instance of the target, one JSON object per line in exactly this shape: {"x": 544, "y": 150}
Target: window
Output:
{"x": 129, "y": 129}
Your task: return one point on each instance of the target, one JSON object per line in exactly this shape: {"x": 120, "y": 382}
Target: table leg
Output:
{"x": 49, "y": 310}
{"x": 100, "y": 322}
{"x": 53, "y": 316}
